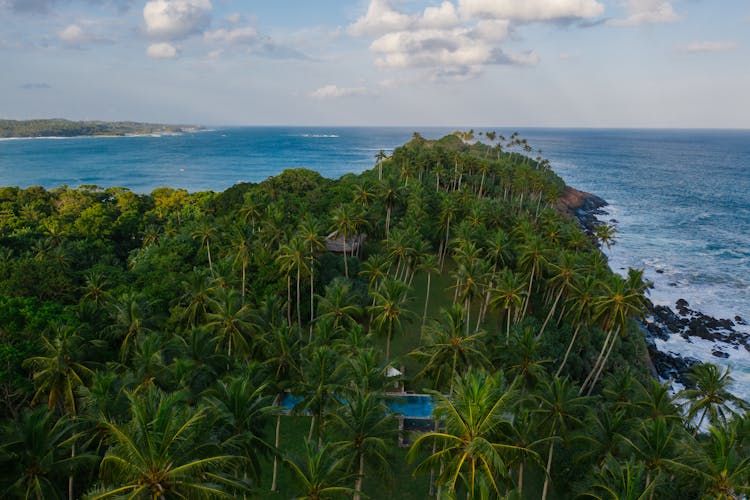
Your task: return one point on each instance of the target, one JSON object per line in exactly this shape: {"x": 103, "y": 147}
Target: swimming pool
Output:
{"x": 406, "y": 405}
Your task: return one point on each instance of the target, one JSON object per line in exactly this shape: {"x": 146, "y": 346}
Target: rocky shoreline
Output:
{"x": 662, "y": 322}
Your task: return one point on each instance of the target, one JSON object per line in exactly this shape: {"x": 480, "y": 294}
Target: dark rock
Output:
{"x": 681, "y": 303}
{"x": 740, "y": 320}
{"x": 720, "y": 354}
{"x": 660, "y": 271}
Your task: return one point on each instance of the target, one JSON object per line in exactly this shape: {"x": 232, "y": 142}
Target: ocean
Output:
{"x": 679, "y": 198}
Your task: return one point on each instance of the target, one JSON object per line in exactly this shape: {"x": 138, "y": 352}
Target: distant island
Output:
{"x": 58, "y": 127}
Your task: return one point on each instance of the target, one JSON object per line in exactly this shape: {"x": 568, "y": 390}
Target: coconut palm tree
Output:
{"x": 618, "y": 302}
{"x": 379, "y": 158}
{"x": 241, "y": 411}
{"x": 231, "y": 322}
{"x": 616, "y": 481}
{"x": 475, "y": 446}
{"x": 560, "y": 407}
{"x": 367, "y": 430}
{"x": 204, "y": 231}
{"x": 320, "y": 473}
{"x": 35, "y": 455}
{"x": 310, "y": 232}
{"x": 281, "y": 350}
{"x": 291, "y": 259}
{"x": 164, "y": 451}
{"x": 718, "y": 464}
{"x": 337, "y": 304}
{"x": 710, "y": 395}
{"x": 390, "y": 309}
{"x": 508, "y": 296}
{"x": 447, "y": 352}
{"x": 241, "y": 252}
{"x": 346, "y": 221}
{"x": 320, "y": 379}
{"x": 58, "y": 371}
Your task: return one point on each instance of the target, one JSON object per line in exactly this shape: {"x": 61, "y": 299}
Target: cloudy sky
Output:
{"x": 568, "y": 63}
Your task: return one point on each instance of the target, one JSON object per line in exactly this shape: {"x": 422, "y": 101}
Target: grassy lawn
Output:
{"x": 294, "y": 429}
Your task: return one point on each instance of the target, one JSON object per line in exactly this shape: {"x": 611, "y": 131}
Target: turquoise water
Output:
{"x": 680, "y": 198}
{"x": 417, "y": 406}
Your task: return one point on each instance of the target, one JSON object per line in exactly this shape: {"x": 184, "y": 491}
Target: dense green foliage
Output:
{"x": 65, "y": 128}
{"x": 148, "y": 341}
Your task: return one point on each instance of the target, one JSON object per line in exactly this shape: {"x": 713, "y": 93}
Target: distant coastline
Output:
{"x": 65, "y": 129}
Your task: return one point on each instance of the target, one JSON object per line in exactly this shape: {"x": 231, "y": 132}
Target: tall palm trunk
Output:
{"x": 550, "y": 313}
{"x": 289, "y": 299}
{"x": 549, "y": 467}
{"x": 426, "y": 299}
{"x": 312, "y": 295}
{"x": 601, "y": 366}
{"x": 299, "y": 312}
{"x": 599, "y": 358}
{"x": 277, "y": 442}
{"x": 346, "y": 264}
{"x": 360, "y": 477}
{"x": 570, "y": 347}
{"x": 528, "y": 293}
{"x": 388, "y": 342}
{"x": 208, "y": 250}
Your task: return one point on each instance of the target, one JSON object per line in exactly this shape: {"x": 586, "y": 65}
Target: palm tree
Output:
{"x": 320, "y": 379}
{"x": 656, "y": 446}
{"x": 606, "y": 234}
{"x": 533, "y": 256}
{"x": 35, "y": 455}
{"x": 291, "y": 258}
{"x": 366, "y": 427}
{"x": 564, "y": 273}
{"x": 337, "y": 304}
{"x": 618, "y": 302}
{"x": 241, "y": 411}
{"x": 379, "y": 158}
{"x": 321, "y": 474}
{"x": 390, "y": 309}
{"x": 710, "y": 395}
{"x": 508, "y": 296}
{"x": 580, "y": 310}
{"x": 447, "y": 352}
{"x": 346, "y": 221}
{"x": 204, "y": 231}
{"x": 57, "y": 372}
{"x": 718, "y": 464}
{"x": 616, "y": 481}
{"x": 130, "y": 320}
{"x": 560, "y": 406}
{"x": 282, "y": 357}
{"x": 230, "y": 320}
{"x": 241, "y": 251}
{"x": 430, "y": 265}
{"x": 310, "y": 232}
{"x": 163, "y": 451}
{"x": 474, "y": 447}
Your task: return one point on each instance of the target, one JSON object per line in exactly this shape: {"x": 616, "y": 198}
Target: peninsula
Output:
{"x": 58, "y": 127}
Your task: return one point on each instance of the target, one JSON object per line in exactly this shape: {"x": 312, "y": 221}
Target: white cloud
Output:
{"x": 234, "y": 17}
{"x": 530, "y": 10}
{"x": 647, "y": 12}
{"x": 161, "y": 51}
{"x": 176, "y": 19}
{"x": 233, "y": 36}
{"x": 72, "y": 34}
{"x": 444, "y": 16}
{"x": 700, "y": 47}
{"x": 380, "y": 18}
{"x": 333, "y": 91}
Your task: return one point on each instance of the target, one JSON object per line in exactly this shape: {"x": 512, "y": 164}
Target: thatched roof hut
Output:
{"x": 335, "y": 242}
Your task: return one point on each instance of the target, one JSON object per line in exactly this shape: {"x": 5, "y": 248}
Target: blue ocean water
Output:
{"x": 681, "y": 198}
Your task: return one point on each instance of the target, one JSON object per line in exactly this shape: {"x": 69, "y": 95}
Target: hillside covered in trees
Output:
{"x": 65, "y": 128}
{"x": 149, "y": 341}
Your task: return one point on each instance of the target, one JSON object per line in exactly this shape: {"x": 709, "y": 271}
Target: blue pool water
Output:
{"x": 417, "y": 406}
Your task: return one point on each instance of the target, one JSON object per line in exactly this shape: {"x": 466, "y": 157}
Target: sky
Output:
{"x": 515, "y": 63}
